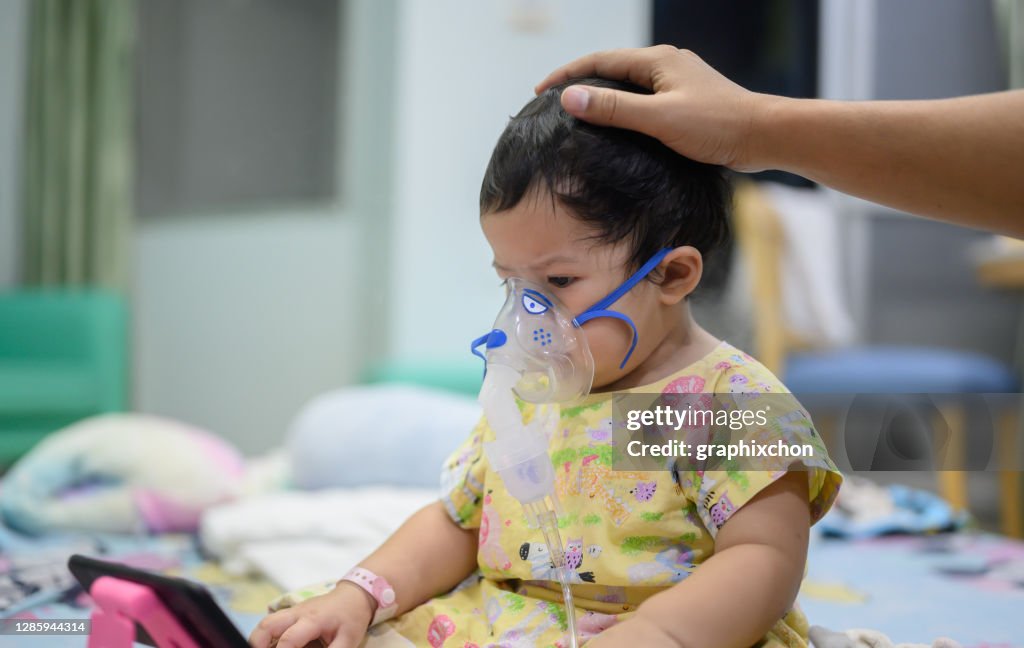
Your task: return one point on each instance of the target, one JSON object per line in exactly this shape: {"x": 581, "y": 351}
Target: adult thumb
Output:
{"x": 607, "y": 107}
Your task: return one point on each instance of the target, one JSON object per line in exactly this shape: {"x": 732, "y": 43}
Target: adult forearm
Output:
{"x": 959, "y": 160}
{"x": 733, "y": 599}
{"x": 426, "y": 556}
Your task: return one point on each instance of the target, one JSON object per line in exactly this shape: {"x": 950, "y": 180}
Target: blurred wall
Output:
{"x": 928, "y": 49}
{"x": 13, "y": 29}
{"x": 912, "y": 281}
{"x": 921, "y": 280}
{"x": 463, "y": 69}
{"x": 243, "y": 317}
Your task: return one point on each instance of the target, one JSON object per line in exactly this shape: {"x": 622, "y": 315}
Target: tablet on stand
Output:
{"x": 162, "y": 611}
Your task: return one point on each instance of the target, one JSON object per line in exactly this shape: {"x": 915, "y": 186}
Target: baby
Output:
{"x": 658, "y": 558}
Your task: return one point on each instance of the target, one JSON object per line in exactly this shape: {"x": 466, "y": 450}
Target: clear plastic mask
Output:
{"x": 536, "y": 335}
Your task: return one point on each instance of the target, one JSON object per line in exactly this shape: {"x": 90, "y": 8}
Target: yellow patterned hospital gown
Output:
{"x": 627, "y": 535}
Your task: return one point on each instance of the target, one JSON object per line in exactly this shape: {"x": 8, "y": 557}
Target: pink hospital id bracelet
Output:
{"x": 377, "y": 587}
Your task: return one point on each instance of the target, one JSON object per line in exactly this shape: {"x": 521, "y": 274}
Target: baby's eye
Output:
{"x": 561, "y": 282}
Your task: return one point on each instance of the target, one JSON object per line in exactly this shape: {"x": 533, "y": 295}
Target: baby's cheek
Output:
{"x": 609, "y": 342}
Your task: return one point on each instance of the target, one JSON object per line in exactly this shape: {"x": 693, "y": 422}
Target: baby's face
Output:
{"x": 539, "y": 240}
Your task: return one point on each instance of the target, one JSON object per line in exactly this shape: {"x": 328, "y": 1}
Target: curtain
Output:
{"x": 78, "y": 179}
{"x": 1010, "y": 22}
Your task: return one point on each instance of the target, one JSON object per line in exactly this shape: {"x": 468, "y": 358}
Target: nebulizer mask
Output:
{"x": 537, "y": 351}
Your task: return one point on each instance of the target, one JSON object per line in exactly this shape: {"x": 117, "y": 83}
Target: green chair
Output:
{"x": 63, "y": 357}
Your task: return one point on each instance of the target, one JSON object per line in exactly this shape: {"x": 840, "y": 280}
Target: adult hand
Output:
{"x": 953, "y": 159}
{"x": 338, "y": 619}
{"x": 694, "y": 110}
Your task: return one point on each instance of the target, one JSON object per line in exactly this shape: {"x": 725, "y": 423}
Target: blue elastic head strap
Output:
{"x": 600, "y": 309}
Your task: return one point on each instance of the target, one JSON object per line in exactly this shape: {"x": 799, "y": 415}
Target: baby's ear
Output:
{"x": 680, "y": 271}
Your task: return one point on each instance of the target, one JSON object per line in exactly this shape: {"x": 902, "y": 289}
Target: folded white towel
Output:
{"x": 812, "y": 266}
{"x": 297, "y": 537}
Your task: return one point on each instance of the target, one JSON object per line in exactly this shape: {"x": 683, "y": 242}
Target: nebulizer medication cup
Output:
{"x": 519, "y": 454}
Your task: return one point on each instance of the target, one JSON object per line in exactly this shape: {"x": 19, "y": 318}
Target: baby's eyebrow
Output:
{"x": 543, "y": 263}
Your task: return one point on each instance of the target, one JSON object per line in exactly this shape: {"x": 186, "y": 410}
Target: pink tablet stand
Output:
{"x": 120, "y": 604}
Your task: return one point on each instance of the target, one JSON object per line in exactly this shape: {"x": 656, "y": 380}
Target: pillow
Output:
{"x": 120, "y": 473}
{"x": 378, "y": 434}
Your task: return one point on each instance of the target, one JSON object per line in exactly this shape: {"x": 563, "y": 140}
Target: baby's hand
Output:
{"x": 337, "y": 619}
{"x": 636, "y": 631}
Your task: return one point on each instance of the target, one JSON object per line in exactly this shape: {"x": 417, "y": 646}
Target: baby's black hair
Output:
{"x": 625, "y": 185}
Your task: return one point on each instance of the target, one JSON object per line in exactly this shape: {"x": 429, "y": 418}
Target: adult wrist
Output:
{"x": 767, "y": 133}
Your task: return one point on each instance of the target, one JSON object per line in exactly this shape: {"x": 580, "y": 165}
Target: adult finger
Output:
{"x": 635, "y": 65}
{"x": 270, "y": 627}
{"x": 617, "y": 108}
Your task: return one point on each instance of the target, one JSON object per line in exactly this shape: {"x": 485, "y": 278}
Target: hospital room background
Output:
{"x": 242, "y": 235}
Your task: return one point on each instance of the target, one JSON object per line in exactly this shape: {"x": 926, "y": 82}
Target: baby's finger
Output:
{"x": 301, "y": 633}
{"x": 633, "y": 65}
{"x": 344, "y": 640}
{"x": 270, "y": 627}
